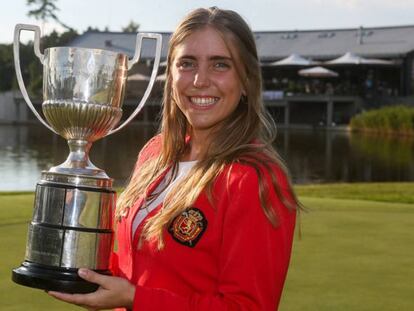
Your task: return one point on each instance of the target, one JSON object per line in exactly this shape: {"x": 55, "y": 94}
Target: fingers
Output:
{"x": 118, "y": 292}
{"x": 93, "y": 277}
{"x": 71, "y": 298}
{"x": 83, "y": 300}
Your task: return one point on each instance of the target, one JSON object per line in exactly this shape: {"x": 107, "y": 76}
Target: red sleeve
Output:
{"x": 113, "y": 264}
{"x": 253, "y": 260}
{"x": 151, "y": 149}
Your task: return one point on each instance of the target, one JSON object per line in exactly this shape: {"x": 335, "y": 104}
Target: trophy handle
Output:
{"x": 16, "y": 53}
{"x": 134, "y": 60}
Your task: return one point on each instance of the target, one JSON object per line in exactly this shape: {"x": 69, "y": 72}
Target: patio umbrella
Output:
{"x": 293, "y": 60}
{"x": 318, "y": 72}
{"x": 138, "y": 77}
{"x": 350, "y": 58}
{"x": 161, "y": 77}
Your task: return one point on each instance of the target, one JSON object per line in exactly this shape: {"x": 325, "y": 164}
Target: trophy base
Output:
{"x": 52, "y": 279}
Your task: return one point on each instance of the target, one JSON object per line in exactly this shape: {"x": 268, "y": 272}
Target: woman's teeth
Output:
{"x": 203, "y": 101}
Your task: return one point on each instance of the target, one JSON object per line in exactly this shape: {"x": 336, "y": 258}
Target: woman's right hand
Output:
{"x": 113, "y": 292}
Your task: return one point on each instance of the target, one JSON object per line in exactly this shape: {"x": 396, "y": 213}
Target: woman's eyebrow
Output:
{"x": 187, "y": 57}
{"x": 214, "y": 57}
{"x": 221, "y": 57}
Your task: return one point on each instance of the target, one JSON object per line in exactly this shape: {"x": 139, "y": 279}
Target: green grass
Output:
{"x": 15, "y": 214}
{"x": 353, "y": 255}
{"x": 356, "y": 251}
{"x": 381, "y": 192}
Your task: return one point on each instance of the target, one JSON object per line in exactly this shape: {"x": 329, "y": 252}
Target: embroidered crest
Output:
{"x": 188, "y": 227}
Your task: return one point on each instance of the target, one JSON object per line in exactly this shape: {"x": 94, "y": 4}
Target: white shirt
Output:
{"x": 182, "y": 171}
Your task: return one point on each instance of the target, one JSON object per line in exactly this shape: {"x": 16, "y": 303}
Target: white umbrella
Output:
{"x": 350, "y": 58}
{"x": 138, "y": 77}
{"x": 317, "y": 72}
{"x": 161, "y": 77}
{"x": 293, "y": 60}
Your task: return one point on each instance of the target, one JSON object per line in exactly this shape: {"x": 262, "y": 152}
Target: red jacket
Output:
{"x": 222, "y": 257}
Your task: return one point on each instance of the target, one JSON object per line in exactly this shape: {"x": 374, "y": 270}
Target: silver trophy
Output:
{"x": 72, "y": 224}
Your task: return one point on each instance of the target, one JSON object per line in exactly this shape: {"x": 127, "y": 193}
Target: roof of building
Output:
{"x": 379, "y": 42}
{"x": 120, "y": 42}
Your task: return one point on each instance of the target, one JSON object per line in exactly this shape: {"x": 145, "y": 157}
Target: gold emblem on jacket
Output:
{"x": 188, "y": 227}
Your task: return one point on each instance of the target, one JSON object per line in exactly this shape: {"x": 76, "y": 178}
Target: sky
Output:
{"x": 157, "y": 15}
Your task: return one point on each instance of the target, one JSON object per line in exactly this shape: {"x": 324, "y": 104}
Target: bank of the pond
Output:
{"x": 355, "y": 252}
{"x": 397, "y": 120}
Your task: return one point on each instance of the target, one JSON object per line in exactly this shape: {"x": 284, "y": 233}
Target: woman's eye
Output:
{"x": 221, "y": 66}
{"x": 186, "y": 65}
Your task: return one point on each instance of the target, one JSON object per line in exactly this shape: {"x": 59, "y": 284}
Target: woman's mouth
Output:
{"x": 203, "y": 101}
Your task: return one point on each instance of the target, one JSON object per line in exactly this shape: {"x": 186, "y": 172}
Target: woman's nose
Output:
{"x": 201, "y": 78}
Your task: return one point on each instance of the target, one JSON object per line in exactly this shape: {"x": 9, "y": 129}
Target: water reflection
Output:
{"x": 312, "y": 156}
{"x": 331, "y": 156}
{"x": 384, "y": 158}
{"x": 27, "y": 150}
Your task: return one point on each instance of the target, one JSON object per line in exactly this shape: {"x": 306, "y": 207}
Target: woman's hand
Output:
{"x": 113, "y": 292}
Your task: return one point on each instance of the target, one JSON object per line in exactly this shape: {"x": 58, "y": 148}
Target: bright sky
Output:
{"x": 157, "y": 15}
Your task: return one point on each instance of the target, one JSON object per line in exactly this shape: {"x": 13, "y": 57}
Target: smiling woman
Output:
{"x": 207, "y": 87}
{"x": 207, "y": 219}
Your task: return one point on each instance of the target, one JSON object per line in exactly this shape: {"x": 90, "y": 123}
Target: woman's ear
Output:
{"x": 243, "y": 99}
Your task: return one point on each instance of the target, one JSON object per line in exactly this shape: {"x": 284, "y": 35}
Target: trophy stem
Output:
{"x": 79, "y": 154}
{"x": 78, "y": 161}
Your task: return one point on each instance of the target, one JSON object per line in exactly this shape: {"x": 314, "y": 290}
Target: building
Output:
{"x": 294, "y": 99}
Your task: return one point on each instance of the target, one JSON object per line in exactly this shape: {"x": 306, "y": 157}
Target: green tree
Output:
{"x": 45, "y": 10}
{"x": 131, "y": 27}
{"x": 6, "y": 67}
{"x": 59, "y": 39}
{"x": 90, "y": 28}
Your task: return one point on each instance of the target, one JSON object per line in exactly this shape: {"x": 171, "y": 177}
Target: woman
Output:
{"x": 207, "y": 220}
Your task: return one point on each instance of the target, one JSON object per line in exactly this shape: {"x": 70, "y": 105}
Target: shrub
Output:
{"x": 387, "y": 120}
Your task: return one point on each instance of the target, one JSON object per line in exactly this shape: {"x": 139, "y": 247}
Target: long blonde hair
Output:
{"x": 246, "y": 136}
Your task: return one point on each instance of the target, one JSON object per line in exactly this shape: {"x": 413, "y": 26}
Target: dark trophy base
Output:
{"x": 37, "y": 276}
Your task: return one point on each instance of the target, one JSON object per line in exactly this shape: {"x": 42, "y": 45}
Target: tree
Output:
{"x": 6, "y": 67}
{"x": 42, "y": 10}
{"x": 58, "y": 39}
{"x": 131, "y": 27}
{"x": 90, "y": 28}
{"x": 45, "y": 10}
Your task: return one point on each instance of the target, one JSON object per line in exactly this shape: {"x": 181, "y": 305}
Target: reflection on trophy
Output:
{"x": 72, "y": 219}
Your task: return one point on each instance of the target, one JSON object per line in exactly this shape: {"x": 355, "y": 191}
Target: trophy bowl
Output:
{"x": 72, "y": 223}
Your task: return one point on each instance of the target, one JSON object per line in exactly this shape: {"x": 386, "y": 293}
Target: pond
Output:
{"x": 313, "y": 156}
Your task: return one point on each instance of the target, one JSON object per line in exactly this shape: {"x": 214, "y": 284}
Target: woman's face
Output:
{"x": 205, "y": 82}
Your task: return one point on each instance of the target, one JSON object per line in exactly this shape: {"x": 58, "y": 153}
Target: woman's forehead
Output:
{"x": 203, "y": 42}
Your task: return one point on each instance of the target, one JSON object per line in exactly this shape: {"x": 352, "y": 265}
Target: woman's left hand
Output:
{"x": 113, "y": 292}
